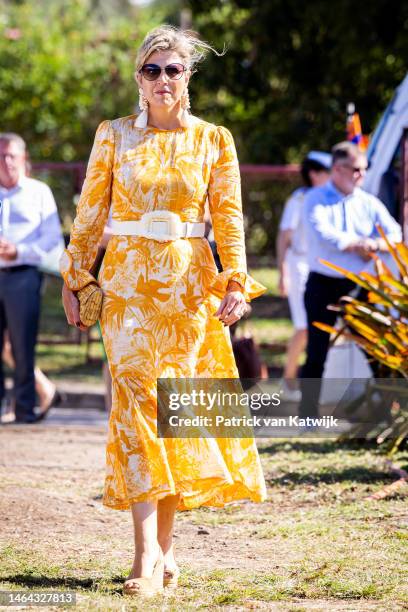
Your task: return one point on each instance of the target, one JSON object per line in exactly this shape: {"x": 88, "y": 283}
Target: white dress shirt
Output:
{"x": 334, "y": 221}
{"x": 29, "y": 219}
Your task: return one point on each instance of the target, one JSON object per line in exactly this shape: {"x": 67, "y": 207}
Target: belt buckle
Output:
{"x": 162, "y": 225}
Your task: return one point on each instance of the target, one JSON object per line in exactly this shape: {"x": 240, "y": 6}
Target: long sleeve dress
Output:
{"x": 159, "y": 302}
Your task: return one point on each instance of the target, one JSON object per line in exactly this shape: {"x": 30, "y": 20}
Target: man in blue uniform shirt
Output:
{"x": 29, "y": 229}
{"x": 340, "y": 221}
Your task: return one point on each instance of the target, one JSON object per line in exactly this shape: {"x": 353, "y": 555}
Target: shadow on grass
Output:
{"x": 47, "y": 581}
{"x": 68, "y": 582}
{"x": 352, "y": 474}
{"x": 321, "y": 447}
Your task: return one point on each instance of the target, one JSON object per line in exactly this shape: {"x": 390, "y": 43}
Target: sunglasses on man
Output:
{"x": 151, "y": 72}
{"x": 356, "y": 169}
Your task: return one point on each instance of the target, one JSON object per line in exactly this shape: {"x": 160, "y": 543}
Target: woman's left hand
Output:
{"x": 71, "y": 307}
{"x": 233, "y": 306}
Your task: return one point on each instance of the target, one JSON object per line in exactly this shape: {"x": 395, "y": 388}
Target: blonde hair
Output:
{"x": 168, "y": 38}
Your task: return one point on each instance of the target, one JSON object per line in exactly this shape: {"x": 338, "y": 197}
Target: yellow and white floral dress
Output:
{"x": 160, "y": 299}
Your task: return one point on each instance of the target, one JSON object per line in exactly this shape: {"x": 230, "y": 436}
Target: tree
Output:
{"x": 291, "y": 68}
{"x": 66, "y": 66}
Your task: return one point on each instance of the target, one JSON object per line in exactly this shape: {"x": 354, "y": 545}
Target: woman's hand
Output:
{"x": 71, "y": 307}
{"x": 233, "y": 305}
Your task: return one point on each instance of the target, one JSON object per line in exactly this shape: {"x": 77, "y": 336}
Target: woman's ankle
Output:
{"x": 169, "y": 559}
{"x": 151, "y": 550}
{"x": 145, "y": 560}
{"x": 166, "y": 544}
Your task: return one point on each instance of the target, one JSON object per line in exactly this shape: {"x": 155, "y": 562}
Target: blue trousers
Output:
{"x": 20, "y": 294}
{"x": 322, "y": 290}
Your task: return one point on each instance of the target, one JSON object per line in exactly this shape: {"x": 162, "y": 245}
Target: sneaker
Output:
{"x": 8, "y": 417}
{"x": 7, "y": 411}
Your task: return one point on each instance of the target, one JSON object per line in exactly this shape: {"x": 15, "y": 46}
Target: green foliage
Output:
{"x": 282, "y": 86}
{"x": 291, "y": 68}
{"x": 66, "y": 66}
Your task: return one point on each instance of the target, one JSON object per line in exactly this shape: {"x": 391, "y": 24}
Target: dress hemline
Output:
{"x": 251, "y": 496}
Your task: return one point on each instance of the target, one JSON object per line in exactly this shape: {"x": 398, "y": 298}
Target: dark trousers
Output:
{"x": 321, "y": 290}
{"x": 19, "y": 314}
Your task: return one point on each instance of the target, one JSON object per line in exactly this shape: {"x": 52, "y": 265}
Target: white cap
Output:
{"x": 322, "y": 158}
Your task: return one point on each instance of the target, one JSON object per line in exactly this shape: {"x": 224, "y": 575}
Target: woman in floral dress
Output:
{"x": 166, "y": 309}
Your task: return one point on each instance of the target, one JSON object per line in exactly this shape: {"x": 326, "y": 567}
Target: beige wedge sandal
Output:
{"x": 144, "y": 586}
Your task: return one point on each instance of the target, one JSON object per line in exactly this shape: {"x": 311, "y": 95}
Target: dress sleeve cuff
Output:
{"x": 75, "y": 278}
{"x": 251, "y": 287}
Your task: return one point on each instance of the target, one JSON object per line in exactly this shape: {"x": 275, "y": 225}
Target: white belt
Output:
{"x": 159, "y": 225}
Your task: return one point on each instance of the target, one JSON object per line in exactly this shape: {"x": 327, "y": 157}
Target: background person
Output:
{"x": 29, "y": 229}
{"x": 341, "y": 223}
{"x": 291, "y": 248}
{"x": 46, "y": 390}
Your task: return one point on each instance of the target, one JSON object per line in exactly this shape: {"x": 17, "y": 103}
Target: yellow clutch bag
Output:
{"x": 90, "y": 304}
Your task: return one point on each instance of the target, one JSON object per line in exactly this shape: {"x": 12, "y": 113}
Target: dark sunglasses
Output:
{"x": 151, "y": 72}
{"x": 356, "y": 169}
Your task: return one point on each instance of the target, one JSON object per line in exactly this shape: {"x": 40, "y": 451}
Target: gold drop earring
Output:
{"x": 143, "y": 103}
{"x": 142, "y": 119}
{"x": 185, "y": 105}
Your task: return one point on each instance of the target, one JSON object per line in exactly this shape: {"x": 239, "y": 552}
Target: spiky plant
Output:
{"x": 382, "y": 332}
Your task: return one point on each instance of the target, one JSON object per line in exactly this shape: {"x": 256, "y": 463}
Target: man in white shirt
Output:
{"x": 29, "y": 229}
{"x": 340, "y": 220}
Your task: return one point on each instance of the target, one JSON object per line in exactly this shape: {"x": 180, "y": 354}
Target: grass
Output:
{"x": 268, "y": 330}
{"x": 52, "y": 319}
{"x": 268, "y": 277}
{"x": 69, "y": 361}
{"x": 317, "y": 538}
